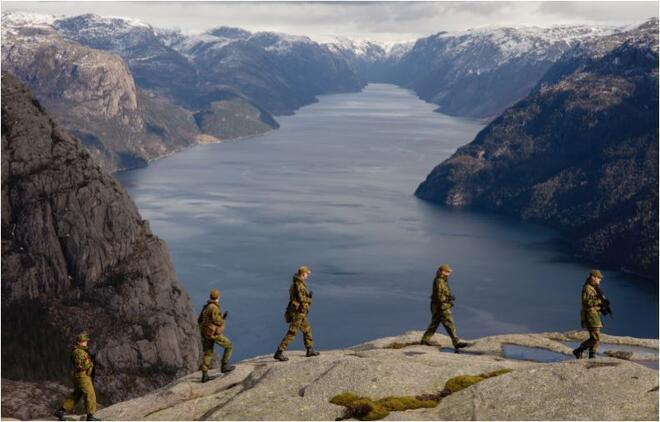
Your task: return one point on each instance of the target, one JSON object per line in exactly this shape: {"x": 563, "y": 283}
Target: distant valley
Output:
{"x": 133, "y": 93}
{"x": 572, "y": 142}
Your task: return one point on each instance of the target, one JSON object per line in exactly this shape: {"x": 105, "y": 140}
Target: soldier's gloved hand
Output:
{"x": 224, "y": 316}
{"x": 310, "y": 294}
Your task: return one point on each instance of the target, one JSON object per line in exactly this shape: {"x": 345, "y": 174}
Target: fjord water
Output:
{"x": 333, "y": 189}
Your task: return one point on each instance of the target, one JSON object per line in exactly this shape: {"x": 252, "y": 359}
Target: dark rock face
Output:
{"x": 78, "y": 256}
{"x": 579, "y": 153}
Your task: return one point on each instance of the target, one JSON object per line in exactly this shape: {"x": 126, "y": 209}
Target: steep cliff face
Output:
{"x": 93, "y": 94}
{"x": 580, "y": 153}
{"x": 78, "y": 256}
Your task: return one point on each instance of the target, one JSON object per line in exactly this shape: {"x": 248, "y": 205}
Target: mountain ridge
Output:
{"x": 579, "y": 153}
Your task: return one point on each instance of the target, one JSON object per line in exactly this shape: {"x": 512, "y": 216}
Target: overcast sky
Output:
{"x": 382, "y": 21}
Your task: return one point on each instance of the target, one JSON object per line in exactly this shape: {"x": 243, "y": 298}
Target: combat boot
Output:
{"x": 60, "y": 414}
{"x": 578, "y": 353}
{"x": 205, "y": 376}
{"x": 311, "y": 352}
{"x": 425, "y": 342}
{"x": 280, "y": 356}
{"x": 592, "y": 355}
{"x": 92, "y": 418}
{"x": 226, "y": 368}
{"x": 459, "y": 344}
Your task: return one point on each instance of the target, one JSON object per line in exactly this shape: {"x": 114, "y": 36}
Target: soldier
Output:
{"x": 441, "y": 303}
{"x": 212, "y": 326}
{"x": 296, "y": 315}
{"x": 83, "y": 367}
{"x": 592, "y": 303}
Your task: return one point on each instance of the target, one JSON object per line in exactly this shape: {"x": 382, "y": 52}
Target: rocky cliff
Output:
{"x": 395, "y": 373}
{"x": 93, "y": 94}
{"x": 76, "y": 255}
{"x": 579, "y": 153}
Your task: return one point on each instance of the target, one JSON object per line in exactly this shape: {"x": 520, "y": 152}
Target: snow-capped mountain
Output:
{"x": 373, "y": 61}
{"x": 280, "y": 72}
{"x": 480, "y": 72}
{"x": 165, "y": 89}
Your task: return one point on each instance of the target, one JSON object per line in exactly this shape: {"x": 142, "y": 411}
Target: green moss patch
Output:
{"x": 344, "y": 399}
{"x": 368, "y": 409}
{"x": 464, "y": 381}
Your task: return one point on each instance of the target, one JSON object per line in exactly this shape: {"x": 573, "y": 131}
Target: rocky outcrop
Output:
{"x": 579, "y": 153}
{"x": 93, "y": 94}
{"x": 77, "y": 256}
{"x": 32, "y": 400}
{"x": 301, "y": 389}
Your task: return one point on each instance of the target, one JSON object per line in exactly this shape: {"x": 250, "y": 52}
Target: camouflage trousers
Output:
{"x": 82, "y": 388}
{"x": 207, "y": 348}
{"x": 298, "y": 322}
{"x": 444, "y": 317}
{"x": 592, "y": 342}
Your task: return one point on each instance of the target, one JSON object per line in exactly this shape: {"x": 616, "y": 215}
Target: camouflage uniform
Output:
{"x": 82, "y": 380}
{"x": 441, "y": 304}
{"x": 296, "y": 315}
{"x": 211, "y": 326}
{"x": 590, "y": 317}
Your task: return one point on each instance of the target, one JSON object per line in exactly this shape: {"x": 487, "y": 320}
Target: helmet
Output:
{"x": 82, "y": 337}
{"x": 304, "y": 269}
{"x": 215, "y": 294}
{"x": 596, "y": 273}
{"x": 445, "y": 267}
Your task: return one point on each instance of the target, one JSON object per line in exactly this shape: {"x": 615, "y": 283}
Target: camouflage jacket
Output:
{"x": 441, "y": 294}
{"x": 210, "y": 320}
{"x": 81, "y": 360}
{"x": 299, "y": 300}
{"x": 591, "y": 303}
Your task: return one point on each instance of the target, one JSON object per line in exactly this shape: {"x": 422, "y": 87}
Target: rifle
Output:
{"x": 93, "y": 358}
{"x": 605, "y": 307}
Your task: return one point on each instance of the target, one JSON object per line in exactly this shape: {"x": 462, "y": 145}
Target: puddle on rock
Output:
{"x": 535, "y": 354}
{"x": 653, "y": 364}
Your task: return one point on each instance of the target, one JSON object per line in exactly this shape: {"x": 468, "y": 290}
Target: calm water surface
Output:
{"x": 333, "y": 189}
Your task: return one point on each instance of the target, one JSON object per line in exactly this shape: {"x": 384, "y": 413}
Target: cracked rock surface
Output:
{"x": 300, "y": 389}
